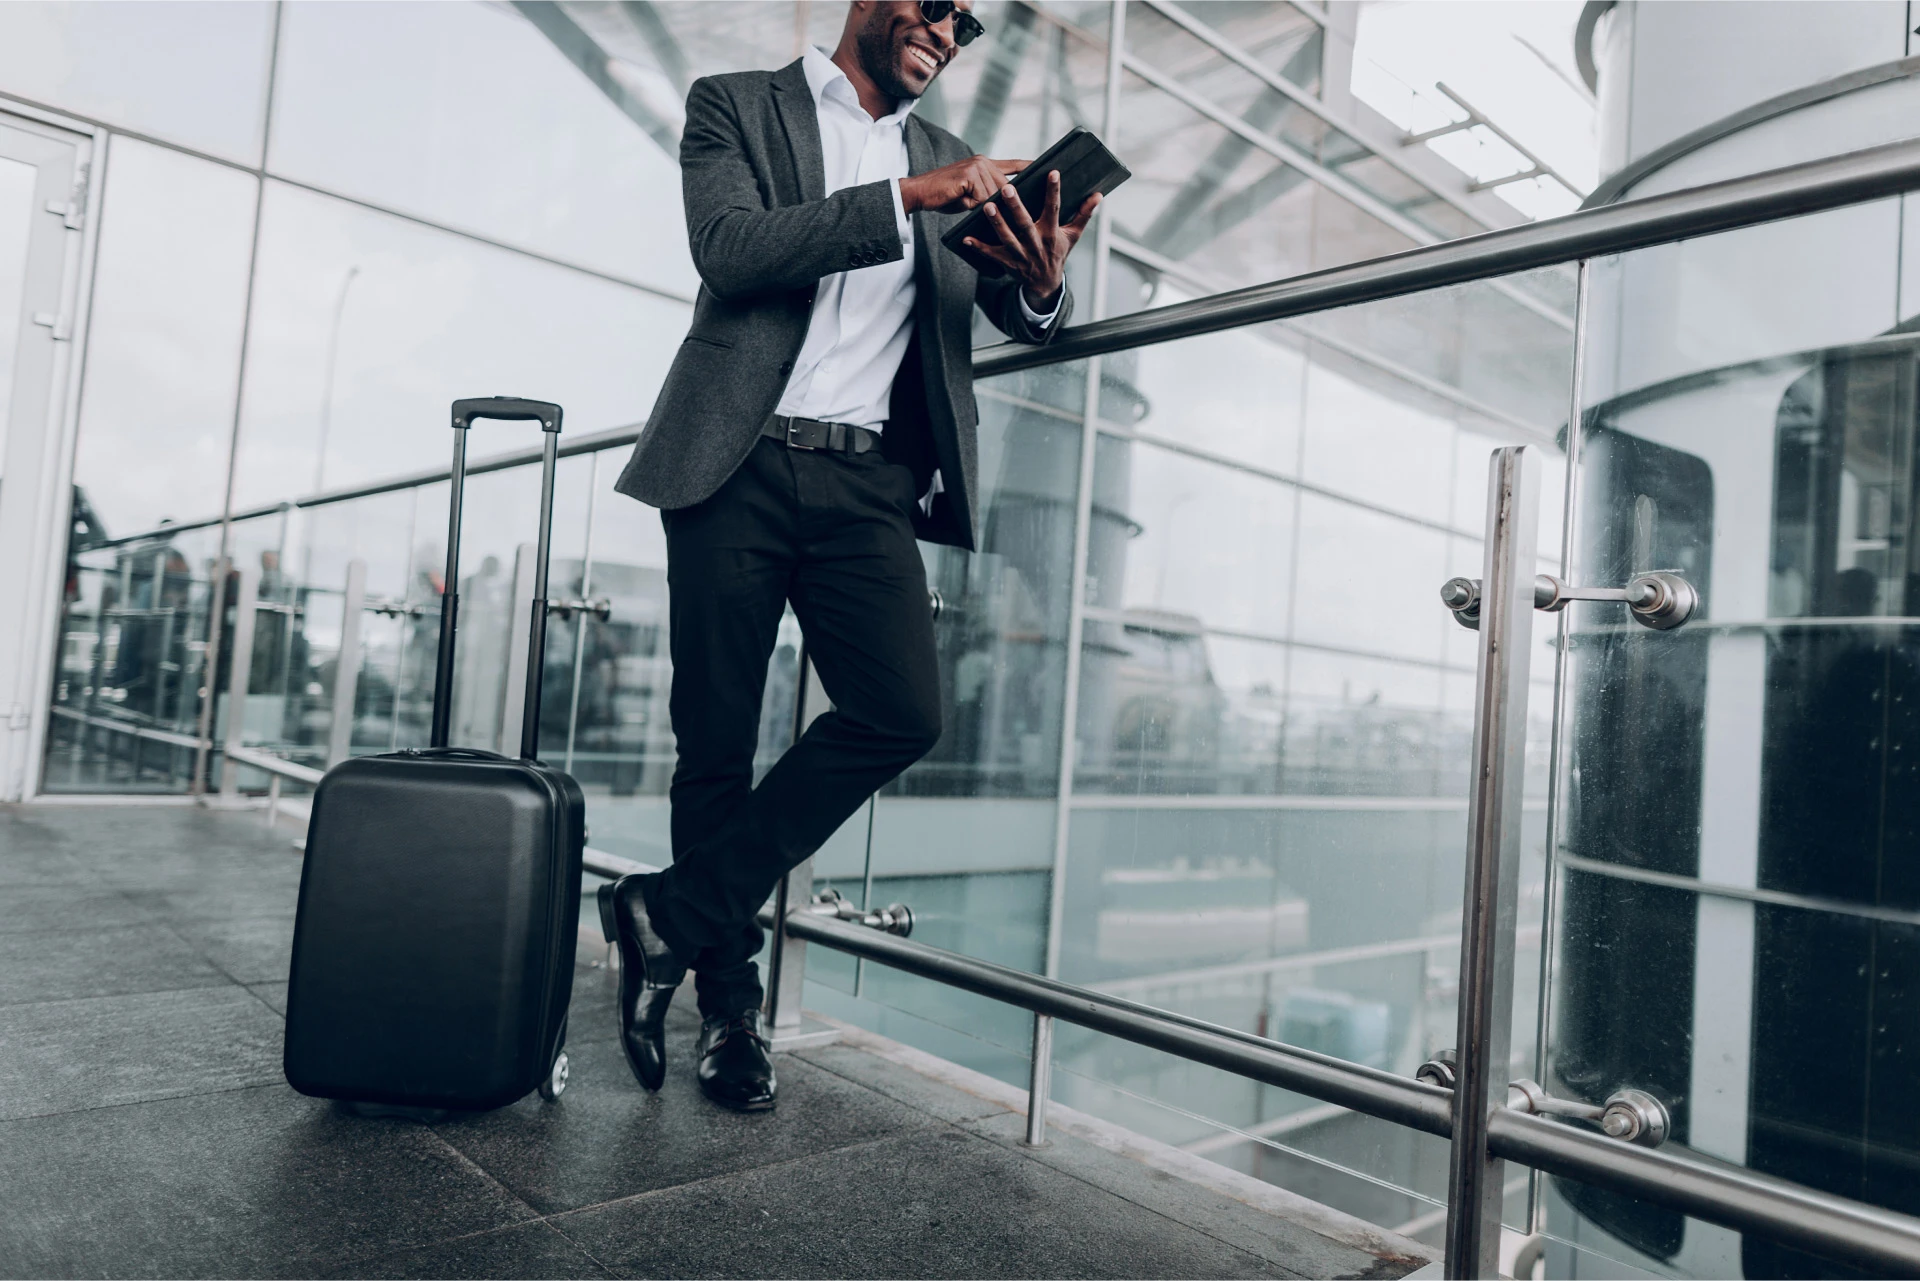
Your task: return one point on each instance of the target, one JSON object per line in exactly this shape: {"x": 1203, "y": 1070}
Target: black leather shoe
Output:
{"x": 649, "y": 973}
{"x": 736, "y": 1067}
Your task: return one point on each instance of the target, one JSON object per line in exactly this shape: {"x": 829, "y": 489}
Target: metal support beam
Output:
{"x": 346, "y": 668}
{"x": 1004, "y": 55}
{"x": 513, "y": 702}
{"x": 1039, "y": 1080}
{"x": 786, "y": 1025}
{"x": 1476, "y": 1180}
{"x": 239, "y": 675}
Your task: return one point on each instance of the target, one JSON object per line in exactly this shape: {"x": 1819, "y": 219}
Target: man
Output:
{"x": 819, "y": 415}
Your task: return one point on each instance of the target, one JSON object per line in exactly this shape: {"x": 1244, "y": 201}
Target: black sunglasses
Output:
{"x": 966, "y": 27}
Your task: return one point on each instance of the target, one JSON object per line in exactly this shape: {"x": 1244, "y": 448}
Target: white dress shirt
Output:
{"x": 862, "y": 320}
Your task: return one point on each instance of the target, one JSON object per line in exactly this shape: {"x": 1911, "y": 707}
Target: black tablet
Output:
{"x": 1086, "y": 167}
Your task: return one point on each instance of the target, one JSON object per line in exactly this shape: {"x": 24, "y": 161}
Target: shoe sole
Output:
{"x": 632, "y": 969}
{"x": 740, "y": 1107}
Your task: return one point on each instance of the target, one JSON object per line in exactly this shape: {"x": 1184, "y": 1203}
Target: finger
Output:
{"x": 1024, "y": 231}
{"x": 1010, "y": 166}
{"x": 1081, "y": 219}
{"x": 1015, "y": 209}
{"x": 1039, "y": 237}
{"x": 1009, "y": 241}
{"x": 994, "y": 252}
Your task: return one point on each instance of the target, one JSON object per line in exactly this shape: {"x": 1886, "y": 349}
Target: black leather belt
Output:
{"x": 811, "y": 433}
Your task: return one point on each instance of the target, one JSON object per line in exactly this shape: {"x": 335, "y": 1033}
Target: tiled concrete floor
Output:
{"x": 145, "y": 1129}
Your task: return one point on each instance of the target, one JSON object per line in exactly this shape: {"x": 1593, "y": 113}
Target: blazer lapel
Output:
{"x": 794, "y": 101}
{"x": 929, "y": 258}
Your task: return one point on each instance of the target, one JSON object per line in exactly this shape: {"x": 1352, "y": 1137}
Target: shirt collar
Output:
{"x": 825, "y": 79}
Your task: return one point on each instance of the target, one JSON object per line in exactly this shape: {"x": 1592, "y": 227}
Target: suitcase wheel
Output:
{"x": 556, "y": 1082}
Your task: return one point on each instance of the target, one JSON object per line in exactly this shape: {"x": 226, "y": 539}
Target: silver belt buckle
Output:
{"x": 793, "y": 425}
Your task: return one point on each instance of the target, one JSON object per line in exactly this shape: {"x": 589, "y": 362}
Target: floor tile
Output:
{"x": 902, "y": 1084}
{"x": 525, "y": 1250}
{"x": 33, "y": 853}
{"x": 55, "y": 965}
{"x": 101, "y": 1052}
{"x": 248, "y": 949}
{"x": 249, "y": 1183}
{"x": 66, "y": 907}
{"x": 607, "y": 1137}
{"x": 1248, "y": 1227}
{"x": 249, "y": 893}
{"x": 937, "y": 1203}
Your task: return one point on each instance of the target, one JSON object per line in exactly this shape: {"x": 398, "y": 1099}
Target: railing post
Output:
{"x": 787, "y": 955}
{"x": 239, "y": 677}
{"x": 1476, "y": 1181}
{"x": 513, "y": 700}
{"x": 1039, "y": 1079}
{"x": 346, "y": 669}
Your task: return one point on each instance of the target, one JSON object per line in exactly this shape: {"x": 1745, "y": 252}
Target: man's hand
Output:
{"x": 958, "y": 187}
{"x": 1035, "y": 251}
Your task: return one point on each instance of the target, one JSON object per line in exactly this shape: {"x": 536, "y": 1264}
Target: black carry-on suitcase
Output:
{"x": 433, "y": 951}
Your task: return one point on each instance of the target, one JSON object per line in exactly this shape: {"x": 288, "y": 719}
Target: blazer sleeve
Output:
{"x": 999, "y": 298}
{"x": 740, "y": 246}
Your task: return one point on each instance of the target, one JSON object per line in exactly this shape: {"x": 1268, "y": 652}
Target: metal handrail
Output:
{"x": 1733, "y": 1197}
{"x": 1730, "y": 1196}
{"x": 1857, "y": 176}
{"x": 1737, "y": 1198}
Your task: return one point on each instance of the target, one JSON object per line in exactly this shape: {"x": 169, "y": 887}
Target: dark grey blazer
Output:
{"x": 763, "y": 233}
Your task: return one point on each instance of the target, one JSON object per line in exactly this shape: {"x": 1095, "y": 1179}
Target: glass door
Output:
{"x": 42, "y": 214}
{"x": 1736, "y": 851}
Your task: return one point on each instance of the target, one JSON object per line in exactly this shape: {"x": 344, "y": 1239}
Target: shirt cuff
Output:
{"x": 900, "y": 222}
{"x": 1034, "y": 318}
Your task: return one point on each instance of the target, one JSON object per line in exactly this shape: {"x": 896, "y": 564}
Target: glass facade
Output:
{"x": 1207, "y": 728}
{"x": 1259, "y": 820}
{"x": 1735, "y": 792}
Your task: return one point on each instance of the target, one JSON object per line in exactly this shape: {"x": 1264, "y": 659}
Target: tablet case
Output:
{"x": 1086, "y": 167}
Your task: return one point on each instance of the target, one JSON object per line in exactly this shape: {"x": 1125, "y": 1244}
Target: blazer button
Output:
{"x": 786, "y": 367}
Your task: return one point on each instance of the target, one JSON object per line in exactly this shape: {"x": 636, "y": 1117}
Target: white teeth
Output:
{"x": 924, "y": 57}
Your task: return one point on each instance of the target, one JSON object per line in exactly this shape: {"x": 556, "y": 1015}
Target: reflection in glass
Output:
{"x": 163, "y": 345}
{"x": 190, "y": 72}
{"x": 1763, "y": 747}
{"x": 361, "y": 96}
{"x": 342, "y": 393}
{"x": 132, "y": 658}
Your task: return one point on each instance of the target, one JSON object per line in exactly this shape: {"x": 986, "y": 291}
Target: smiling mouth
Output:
{"x": 924, "y": 57}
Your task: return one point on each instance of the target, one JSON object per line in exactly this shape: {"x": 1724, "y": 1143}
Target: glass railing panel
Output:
{"x": 129, "y": 666}
{"x": 967, "y": 836}
{"x": 1275, "y": 714}
{"x": 1383, "y": 1173}
{"x": 1736, "y": 905}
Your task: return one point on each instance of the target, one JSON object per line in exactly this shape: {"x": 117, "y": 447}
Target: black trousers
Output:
{"x": 834, "y": 535}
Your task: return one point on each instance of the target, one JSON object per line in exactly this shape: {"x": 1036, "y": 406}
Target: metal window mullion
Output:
{"x": 1083, "y": 517}
{"x": 1040, "y": 1054}
{"x": 197, "y": 784}
{"x": 581, "y": 616}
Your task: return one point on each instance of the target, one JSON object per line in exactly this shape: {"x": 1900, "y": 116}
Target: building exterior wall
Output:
{"x": 319, "y": 224}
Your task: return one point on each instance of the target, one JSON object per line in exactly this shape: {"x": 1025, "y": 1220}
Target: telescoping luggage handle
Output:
{"x": 465, "y": 413}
